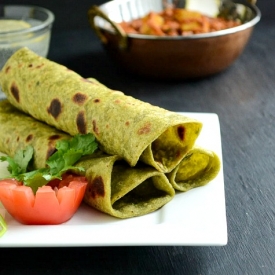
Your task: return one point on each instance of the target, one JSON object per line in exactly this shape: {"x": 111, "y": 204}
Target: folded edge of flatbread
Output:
{"x": 123, "y": 191}
{"x": 199, "y": 167}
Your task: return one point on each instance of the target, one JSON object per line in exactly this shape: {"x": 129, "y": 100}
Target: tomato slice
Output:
{"x": 49, "y": 205}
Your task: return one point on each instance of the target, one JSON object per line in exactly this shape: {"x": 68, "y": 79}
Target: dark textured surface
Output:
{"x": 244, "y": 98}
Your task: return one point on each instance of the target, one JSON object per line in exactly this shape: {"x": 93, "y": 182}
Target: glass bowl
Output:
{"x": 24, "y": 26}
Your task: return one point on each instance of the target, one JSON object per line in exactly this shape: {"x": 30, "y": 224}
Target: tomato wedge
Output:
{"x": 49, "y": 205}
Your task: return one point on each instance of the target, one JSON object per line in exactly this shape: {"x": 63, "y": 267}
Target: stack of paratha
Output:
{"x": 146, "y": 152}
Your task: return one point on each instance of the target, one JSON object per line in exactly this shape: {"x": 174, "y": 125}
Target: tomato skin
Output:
{"x": 48, "y": 205}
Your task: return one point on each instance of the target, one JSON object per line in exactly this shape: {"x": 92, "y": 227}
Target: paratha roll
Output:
{"x": 123, "y": 125}
{"x": 123, "y": 191}
{"x": 114, "y": 187}
{"x": 197, "y": 168}
{"x": 18, "y": 130}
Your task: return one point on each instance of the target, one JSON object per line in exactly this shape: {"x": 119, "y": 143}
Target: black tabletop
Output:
{"x": 243, "y": 96}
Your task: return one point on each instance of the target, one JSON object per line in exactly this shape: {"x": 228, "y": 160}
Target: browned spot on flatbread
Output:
{"x": 79, "y": 98}
{"x": 50, "y": 151}
{"x": 51, "y": 144}
{"x": 145, "y": 129}
{"x": 55, "y": 108}
{"x": 29, "y": 138}
{"x": 30, "y": 65}
{"x": 39, "y": 66}
{"x": 96, "y": 188}
{"x": 178, "y": 154}
{"x": 15, "y": 91}
{"x": 54, "y": 137}
{"x": 181, "y": 132}
{"x": 7, "y": 70}
{"x": 18, "y": 138}
{"x": 97, "y": 100}
{"x": 81, "y": 123}
{"x": 127, "y": 123}
{"x": 95, "y": 128}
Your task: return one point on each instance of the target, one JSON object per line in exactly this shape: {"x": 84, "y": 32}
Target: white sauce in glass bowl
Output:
{"x": 7, "y": 25}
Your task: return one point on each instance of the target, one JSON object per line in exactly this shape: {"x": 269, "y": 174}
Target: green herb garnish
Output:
{"x": 67, "y": 154}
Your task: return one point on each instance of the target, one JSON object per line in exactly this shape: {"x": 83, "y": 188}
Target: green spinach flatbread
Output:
{"x": 113, "y": 186}
{"x": 123, "y": 125}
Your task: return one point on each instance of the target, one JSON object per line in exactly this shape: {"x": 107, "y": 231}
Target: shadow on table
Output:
{"x": 106, "y": 260}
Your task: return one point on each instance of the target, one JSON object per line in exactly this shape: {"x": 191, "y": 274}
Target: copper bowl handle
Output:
{"x": 122, "y": 37}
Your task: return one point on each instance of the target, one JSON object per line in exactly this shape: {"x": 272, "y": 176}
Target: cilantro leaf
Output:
{"x": 70, "y": 151}
{"x": 35, "y": 179}
{"x": 67, "y": 154}
{"x": 23, "y": 157}
{"x": 19, "y": 163}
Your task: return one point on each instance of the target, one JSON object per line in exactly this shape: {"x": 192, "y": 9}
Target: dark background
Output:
{"x": 244, "y": 98}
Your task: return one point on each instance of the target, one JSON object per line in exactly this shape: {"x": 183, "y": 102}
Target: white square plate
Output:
{"x": 194, "y": 218}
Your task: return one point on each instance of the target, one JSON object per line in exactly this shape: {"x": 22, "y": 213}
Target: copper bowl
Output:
{"x": 180, "y": 57}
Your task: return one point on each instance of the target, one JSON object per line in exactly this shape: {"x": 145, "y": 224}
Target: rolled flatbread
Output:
{"x": 123, "y": 125}
{"x": 123, "y": 191}
{"x": 113, "y": 186}
{"x": 17, "y": 130}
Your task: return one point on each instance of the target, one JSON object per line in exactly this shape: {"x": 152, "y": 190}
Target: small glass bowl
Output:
{"x": 36, "y": 36}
